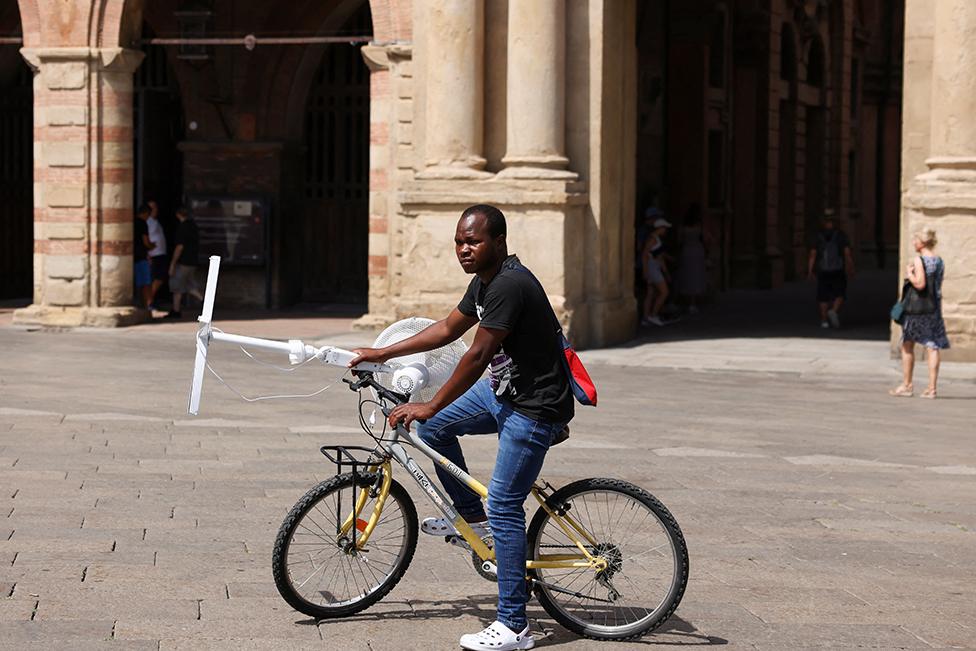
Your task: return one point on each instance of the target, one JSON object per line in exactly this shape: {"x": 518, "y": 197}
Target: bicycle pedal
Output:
{"x": 457, "y": 541}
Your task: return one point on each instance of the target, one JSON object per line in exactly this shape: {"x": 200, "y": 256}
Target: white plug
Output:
{"x": 296, "y": 351}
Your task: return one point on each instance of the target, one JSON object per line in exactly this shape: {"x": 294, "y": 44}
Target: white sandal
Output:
{"x": 498, "y": 637}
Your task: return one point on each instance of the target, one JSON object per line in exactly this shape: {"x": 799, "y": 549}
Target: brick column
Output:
{"x": 82, "y": 187}
{"x": 390, "y": 160}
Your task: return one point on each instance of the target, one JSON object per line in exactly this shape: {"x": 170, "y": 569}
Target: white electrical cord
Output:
{"x": 277, "y": 368}
{"x": 273, "y": 397}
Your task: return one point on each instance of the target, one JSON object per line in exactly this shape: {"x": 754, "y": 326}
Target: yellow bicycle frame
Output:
{"x": 570, "y": 527}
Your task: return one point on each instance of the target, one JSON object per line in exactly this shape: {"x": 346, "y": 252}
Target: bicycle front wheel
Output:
{"x": 645, "y": 553}
{"x": 316, "y": 567}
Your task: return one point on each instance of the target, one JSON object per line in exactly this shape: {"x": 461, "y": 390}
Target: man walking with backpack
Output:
{"x": 831, "y": 259}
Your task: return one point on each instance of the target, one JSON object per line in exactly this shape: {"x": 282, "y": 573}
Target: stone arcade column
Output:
{"x": 944, "y": 197}
{"x": 536, "y": 105}
{"x": 454, "y": 133}
{"x": 82, "y": 187}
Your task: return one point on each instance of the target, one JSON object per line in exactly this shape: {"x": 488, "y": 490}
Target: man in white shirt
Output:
{"x": 158, "y": 261}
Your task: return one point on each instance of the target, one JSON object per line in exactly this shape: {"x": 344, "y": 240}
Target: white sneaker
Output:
{"x": 498, "y": 637}
{"x": 824, "y": 325}
{"x": 653, "y": 320}
{"x": 833, "y": 318}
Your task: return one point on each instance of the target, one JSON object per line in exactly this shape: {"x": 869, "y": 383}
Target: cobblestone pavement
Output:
{"x": 818, "y": 511}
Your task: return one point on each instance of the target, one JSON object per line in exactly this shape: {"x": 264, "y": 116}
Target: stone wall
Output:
{"x": 526, "y": 106}
{"x": 939, "y": 158}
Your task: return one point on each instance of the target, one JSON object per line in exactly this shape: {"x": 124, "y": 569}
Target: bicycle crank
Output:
{"x": 487, "y": 569}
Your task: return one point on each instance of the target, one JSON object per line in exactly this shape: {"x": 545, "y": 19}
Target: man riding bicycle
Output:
{"x": 526, "y": 399}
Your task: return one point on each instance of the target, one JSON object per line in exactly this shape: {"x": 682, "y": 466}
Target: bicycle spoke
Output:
{"x": 638, "y": 551}
{"x": 324, "y": 567}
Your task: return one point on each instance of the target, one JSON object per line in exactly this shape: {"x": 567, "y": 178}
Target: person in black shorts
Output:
{"x": 183, "y": 268}
{"x": 831, "y": 263}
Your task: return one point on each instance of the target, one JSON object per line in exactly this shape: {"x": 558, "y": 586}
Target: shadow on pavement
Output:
{"x": 788, "y": 311}
{"x": 674, "y": 632}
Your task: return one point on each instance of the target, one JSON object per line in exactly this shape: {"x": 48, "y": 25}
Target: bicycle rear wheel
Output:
{"x": 647, "y": 560}
{"x": 318, "y": 571}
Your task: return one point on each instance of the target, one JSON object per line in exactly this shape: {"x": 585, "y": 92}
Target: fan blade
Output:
{"x": 208, "y": 298}
{"x": 199, "y": 368}
{"x": 203, "y": 336}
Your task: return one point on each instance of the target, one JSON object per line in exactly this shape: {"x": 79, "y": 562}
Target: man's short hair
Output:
{"x": 182, "y": 210}
{"x": 493, "y": 216}
{"x": 144, "y": 208}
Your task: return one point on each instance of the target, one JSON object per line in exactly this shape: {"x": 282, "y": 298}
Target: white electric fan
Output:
{"x": 420, "y": 375}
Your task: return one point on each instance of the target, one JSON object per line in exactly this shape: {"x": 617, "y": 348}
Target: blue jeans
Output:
{"x": 522, "y": 446}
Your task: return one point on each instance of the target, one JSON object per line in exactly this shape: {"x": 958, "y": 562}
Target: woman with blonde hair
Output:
{"x": 926, "y": 329}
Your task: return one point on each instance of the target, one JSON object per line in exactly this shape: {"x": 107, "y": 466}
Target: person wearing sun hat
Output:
{"x": 655, "y": 268}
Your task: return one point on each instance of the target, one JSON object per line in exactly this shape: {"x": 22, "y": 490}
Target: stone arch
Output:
{"x": 116, "y": 23}
{"x": 30, "y": 22}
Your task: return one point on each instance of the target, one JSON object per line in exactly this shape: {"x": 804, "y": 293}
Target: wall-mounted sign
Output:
{"x": 236, "y": 229}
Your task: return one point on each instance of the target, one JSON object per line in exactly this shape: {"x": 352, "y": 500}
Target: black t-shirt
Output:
{"x": 139, "y": 229}
{"x": 189, "y": 237}
{"x": 527, "y": 370}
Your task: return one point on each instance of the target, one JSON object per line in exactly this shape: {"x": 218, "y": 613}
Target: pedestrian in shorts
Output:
{"x": 831, "y": 259}
{"x": 183, "y": 268}
{"x": 141, "y": 244}
{"x": 158, "y": 260}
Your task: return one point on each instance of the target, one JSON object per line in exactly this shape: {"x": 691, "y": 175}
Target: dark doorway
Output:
{"x": 787, "y": 188}
{"x": 815, "y": 173}
{"x": 158, "y": 122}
{"x": 16, "y": 172}
{"x": 335, "y": 227}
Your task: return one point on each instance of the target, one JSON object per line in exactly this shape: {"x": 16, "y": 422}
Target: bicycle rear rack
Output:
{"x": 345, "y": 456}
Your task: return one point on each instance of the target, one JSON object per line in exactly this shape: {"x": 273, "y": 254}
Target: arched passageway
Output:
{"x": 269, "y": 146}
{"x": 766, "y": 120}
{"x": 16, "y": 161}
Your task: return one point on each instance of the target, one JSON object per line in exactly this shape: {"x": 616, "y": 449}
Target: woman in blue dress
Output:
{"x": 925, "y": 329}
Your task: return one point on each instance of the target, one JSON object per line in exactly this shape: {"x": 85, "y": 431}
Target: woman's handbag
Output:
{"x": 919, "y": 301}
{"x": 898, "y": 309}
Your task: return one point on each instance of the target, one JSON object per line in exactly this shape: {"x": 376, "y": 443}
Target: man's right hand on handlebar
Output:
{"x": 376, "y": 355}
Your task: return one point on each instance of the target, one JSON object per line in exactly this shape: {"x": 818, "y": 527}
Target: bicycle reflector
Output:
{"x": 203, "y": 336}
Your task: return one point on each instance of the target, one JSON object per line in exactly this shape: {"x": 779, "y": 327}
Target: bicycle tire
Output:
{"x": 610, "y": 495}
{"x": 286, "y": 562}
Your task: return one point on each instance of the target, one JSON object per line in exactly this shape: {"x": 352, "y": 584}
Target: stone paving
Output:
{"x": 819, "y": 512}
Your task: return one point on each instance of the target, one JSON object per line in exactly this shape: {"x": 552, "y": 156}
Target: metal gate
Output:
{"x": 335, "y": 229}
{"x": 16, "y": 175}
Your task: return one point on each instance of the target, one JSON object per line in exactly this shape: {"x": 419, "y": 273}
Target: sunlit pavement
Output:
{"x": 819, "y": 512}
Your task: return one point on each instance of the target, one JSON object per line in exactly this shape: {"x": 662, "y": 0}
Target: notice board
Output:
{"x": 235, "y": 228}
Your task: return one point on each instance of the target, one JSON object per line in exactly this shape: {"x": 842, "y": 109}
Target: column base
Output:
{"x": 532, "y": 172}
{"x": 536, "y": 167}
{"x": 949, "y": 183}
{"x": 469, "y": 169}
{"x": 72, "y": 317}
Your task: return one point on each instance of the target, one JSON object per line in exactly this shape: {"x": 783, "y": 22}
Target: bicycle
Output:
{"x": 349, "y": 540}
{"x": 613, "y": 578}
